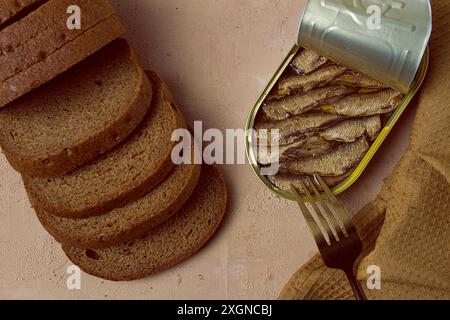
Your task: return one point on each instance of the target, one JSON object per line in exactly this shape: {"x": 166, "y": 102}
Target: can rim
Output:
{"x": 357, "y": 172}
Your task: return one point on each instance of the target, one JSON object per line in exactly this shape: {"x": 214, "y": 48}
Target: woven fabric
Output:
{"x": 413, "y": 246}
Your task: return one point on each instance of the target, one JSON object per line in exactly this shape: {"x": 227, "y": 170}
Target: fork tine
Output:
{"x": 317, "y": 233}
{"x": 337, "y": 254}
{"x": 340, "y": 210}
{"x": 335, "y": 227}
{"x": 341, "y": 230}
{"x": 327, "y": 232}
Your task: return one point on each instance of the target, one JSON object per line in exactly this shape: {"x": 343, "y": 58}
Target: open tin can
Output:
{"x": 384, "y": 39}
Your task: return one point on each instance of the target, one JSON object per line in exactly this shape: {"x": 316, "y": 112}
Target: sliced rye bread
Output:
{"x": 39, "y": 47}
{"x": 168, "y": 244}
{"x": 23, "y": 46}
{"x": 129, "y": 222}
{"x": 77, "y": 116}
{"x": 61, "y": 60}
{"x": 121, "y": 176}
{"x": 13, "y": 10}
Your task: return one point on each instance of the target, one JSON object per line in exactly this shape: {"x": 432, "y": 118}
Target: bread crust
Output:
{"x": 72, "y": 157}
{"x": 119, "y": 198}
{"x": 78, "y": 256}
{"x": 137, "y": 230}
{"x": 73, "y": 51}
{"x": 22, "y": 46}
{"x": 11, "y": 9}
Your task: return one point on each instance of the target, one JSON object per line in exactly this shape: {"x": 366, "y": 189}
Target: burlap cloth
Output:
{"x": 412, "y": 246}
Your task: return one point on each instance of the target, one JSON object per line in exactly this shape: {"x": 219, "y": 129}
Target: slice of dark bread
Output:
{"x": 121, "y": 176}
{"x": 129, "y": 222}
{"x": 77, "y": 116}
{"x": 23, "y": 45}
{"x": 14, "y": 10}
{"x": 168, "y": 244}
{"x": 40, "y": 46}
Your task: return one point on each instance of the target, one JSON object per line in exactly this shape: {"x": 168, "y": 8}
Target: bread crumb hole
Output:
{"x": 92, "y": 254}
{"x": 98, "y": 82}
{"x": 7, "y": 49}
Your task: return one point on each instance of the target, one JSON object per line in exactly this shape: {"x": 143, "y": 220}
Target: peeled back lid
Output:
{"x": 385, "y": 39}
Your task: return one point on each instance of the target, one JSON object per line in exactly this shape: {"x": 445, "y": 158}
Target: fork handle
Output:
{"x": 356, "y": 287}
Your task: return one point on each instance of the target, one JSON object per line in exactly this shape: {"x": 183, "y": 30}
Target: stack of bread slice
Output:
{"x": 90, "y": 132}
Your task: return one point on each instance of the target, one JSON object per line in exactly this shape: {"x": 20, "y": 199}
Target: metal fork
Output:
{"x": 334, "y": 232}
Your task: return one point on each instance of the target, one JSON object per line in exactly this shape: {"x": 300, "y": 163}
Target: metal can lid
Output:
{"x": 385, "y": 39}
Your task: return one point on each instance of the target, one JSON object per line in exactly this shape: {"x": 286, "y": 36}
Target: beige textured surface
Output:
{"x": 216, "y": 57}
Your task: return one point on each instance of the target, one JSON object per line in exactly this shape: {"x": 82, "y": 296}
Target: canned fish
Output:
{"x": 331, "y": 116}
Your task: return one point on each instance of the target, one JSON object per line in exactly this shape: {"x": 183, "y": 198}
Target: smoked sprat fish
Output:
{"x": 299, "y": 103}
{"x": 325, "y": 117}
{"x": 312, "y": 146}
{"x": 267, "y": 155}
{"x": 296, "y": 128}
{"x": 319, "y": 78}
{"x": 357, "y": 79}
{"x": 300, "y": 149}
{"x": 366, "y": 104}
{"x": 335, "y": 163}
{"x": 350, "y": 130}
{"x": 325, "y": 141}
{"x": 284, "y": 181}
{"x": 307, "y": 61}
